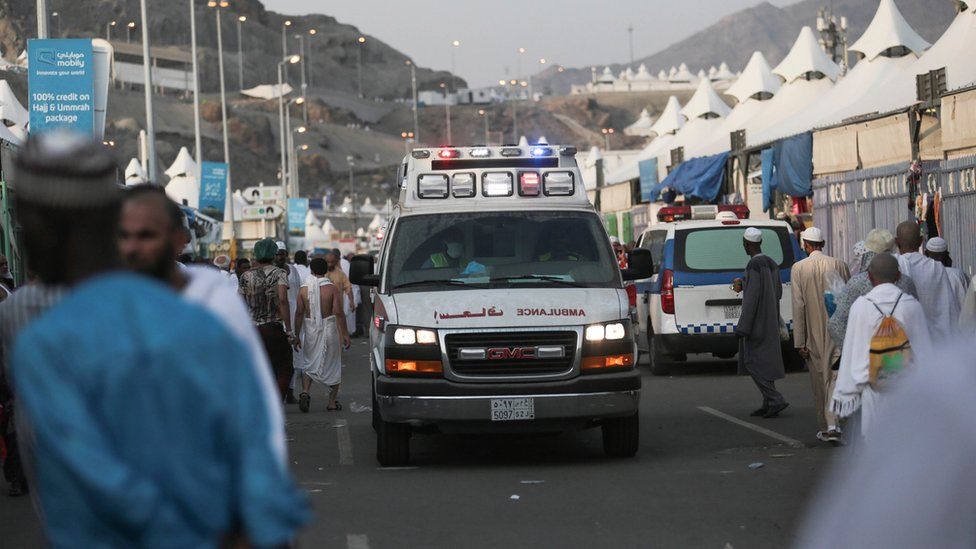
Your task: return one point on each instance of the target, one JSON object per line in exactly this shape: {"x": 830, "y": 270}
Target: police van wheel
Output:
{"x": 376, "y": 414}
{"x": 621, "y": 436}
{"x": 393, "y": 444}
{"x": 660, "y": 366}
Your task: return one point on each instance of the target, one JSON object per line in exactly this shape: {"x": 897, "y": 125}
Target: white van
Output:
{"x": 499, "y": 305}
{"x": 688, "y": 305}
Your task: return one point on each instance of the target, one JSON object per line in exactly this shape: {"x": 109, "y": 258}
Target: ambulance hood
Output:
{"x": 507, "y": 308}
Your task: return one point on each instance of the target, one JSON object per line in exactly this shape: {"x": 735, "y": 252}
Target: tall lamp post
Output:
{"x": 607, "y": 134}
{"x": 311, "y": 33}
{"x": 240, "y": 50}
{"x": 542, "y": 67}
{"x": 361, "y": 43}
{"x": 281, "y": 111}
{"x": 301, "y": 51}
{"x": 218, "y": 6}
{"x": 293, "y": 161}
{"x": 128, "y": 31}
{"x": 284, "y": 43}
{"x": 108, "y": 29}
{"x": 147, "y": 84}
{"x": 407, "y": 139}
{"x": 484, "y": 114}
{"x": 57, "y": 19}
{"x": 42, "y": 19}
{"x": 413, "y": 84}
{"x": 454, "y": 47}
{"x": 197, "y": 139}
{"x": 447, "y": 113}
{"x": 286, "y": 179}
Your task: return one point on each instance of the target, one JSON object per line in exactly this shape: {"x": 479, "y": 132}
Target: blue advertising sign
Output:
{"x": 213, "y": 189}
{"x": 297, "y": 210}
{"x": 648, "y": 178}
{"x": 61, "y": 82}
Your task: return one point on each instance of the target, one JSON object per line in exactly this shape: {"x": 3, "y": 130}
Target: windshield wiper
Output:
{"x": 547, "y": 278}
{"x": 442, "y": 282}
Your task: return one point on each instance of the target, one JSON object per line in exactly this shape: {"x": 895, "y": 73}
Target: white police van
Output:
{"x": 688, "y": 305}
{"x": 499, "y": 305}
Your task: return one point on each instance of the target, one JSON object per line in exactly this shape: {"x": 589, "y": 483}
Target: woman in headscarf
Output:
{"x": 878, "y": 241}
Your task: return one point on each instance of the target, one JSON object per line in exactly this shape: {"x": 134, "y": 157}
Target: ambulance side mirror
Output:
{"x": 361, "y": 271}
{"x": 640, "y": 265}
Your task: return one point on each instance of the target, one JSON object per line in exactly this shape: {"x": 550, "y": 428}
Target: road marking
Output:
{"x": 345, "y": 442}
{"x": 357, "y": 541}
{"x": 791, "y": 442}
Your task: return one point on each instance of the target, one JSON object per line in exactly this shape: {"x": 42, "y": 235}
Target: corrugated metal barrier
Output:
{"x": 848, "y": 205}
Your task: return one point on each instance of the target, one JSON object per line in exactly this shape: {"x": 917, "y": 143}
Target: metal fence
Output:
{"x": 847, "y": 206}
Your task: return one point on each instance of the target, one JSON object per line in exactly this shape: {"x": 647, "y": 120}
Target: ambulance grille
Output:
{"x": 511, "y": 340}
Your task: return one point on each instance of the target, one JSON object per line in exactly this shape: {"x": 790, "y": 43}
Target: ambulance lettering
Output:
{"x": 550, "y": 312}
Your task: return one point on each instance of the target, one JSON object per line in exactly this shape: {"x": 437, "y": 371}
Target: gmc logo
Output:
{"x": 516, "y": 353}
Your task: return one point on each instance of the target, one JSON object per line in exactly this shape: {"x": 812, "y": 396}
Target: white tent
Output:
{"x": 368, "y": 207}
{"x": 376, "y": 223}
{"x": 705, "y": 103}
{"x": 682, "y": 74}
{"x": 183, "y": 186}
{"x": 724, "y": 73}
{"x": 607, "y": 77}
{"x": 712, "y": 71}
{"x": 134, "y": 174}
{"x": 267, "y": 91}
{"x": 10, "y": 108}
{"x": 642, "y": 73}
{"x": 953, "y": 51}
{"x": 671, "y": 120}
{"x": 808, "y": 74}
{"x": 642, "y": 126}
{"x": 313, "y": 232}
{"x": 887, "y": 35}
{"x": 662, "y": 75}
{"x": 757, "y": 86}
{"x": 328, "y": 229}
{"x": 757, "y": 78}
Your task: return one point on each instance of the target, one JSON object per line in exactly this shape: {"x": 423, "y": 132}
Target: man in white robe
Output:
{"x": 938, "y": 249}
{"x": 853, "y": 390}
{"x": 939, "y": 299}
{"x": 319, "y": 319}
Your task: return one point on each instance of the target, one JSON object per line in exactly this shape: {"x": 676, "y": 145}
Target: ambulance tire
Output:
{"x": 376, "y": 414}
{"x": 393, "y": 444}
{"x": 621, "y": 436}
{"x": 660, "y": 363}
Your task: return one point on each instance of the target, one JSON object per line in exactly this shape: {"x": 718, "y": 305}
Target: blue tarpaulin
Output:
{"x": 699, "y": 177}
{"x": 648, "y": 178}
{"x": 788, "y": 168}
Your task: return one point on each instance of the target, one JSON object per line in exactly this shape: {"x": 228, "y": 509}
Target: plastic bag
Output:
{"x": 833, "y": 286}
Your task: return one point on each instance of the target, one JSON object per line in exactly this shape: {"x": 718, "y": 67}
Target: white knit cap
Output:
{"x": 937, "y": 245}
{"x": 753, "y": 234}
{"x": 879, "y": 241}
{"x": 812, "y": 234}
{"x": 281, "y": 246}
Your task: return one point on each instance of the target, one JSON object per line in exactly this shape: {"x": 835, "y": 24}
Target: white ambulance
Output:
{"x": 498, "y": 303}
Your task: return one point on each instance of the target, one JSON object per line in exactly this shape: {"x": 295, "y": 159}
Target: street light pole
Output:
{"x": 223, "y": 117}
{"x": 484, "y": 113}
{"x": 413, "y": 84}
{"x": 359, "y": 65}
{"x": 301, "y": 51}
{"x": 197, "y": 139}
{"x": 42, "y": 18}
{"x": 108, "y": 30}
{"x": 240, "y": 50}
{"x": 311, "y": 33}
{"x": 281, "y": 113}
{"x": 284, "y": 44}
{"x": 128, "y": 31}
{"x": 147, "y": 84}
{"x": 447, "y": 113}
{"x": 454, "y": 46}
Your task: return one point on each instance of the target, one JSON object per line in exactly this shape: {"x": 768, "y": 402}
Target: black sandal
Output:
{"x": 337, "y": 407}
{"x": 304, "y": 401}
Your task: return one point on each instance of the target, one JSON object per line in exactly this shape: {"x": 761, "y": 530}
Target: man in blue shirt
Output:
{"x": 146, "y": 432}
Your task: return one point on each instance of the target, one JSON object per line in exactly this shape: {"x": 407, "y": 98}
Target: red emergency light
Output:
{"x": 670, "y": 214}
{"x": 449, "y": 153}
{"x": 529, "y": 184}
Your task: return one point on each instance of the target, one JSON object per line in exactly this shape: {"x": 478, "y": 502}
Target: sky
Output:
{"x": 573, "y": 33}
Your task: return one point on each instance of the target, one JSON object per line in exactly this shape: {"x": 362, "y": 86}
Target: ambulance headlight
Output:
{"x": 411, "y": 336}
{"x": 558, "y": 184}
{"x": 432, "y": 186}
{"x": 614, "y": 331}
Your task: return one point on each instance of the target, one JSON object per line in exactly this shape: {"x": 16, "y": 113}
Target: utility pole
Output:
{"x": 240, "y": 50}
{"x": 147, "y": 84}
{"x": 413, "y": 84}
{"x": 198, "y": 141}
{"x": 223, "y": 115}
{"x": 42, "y": 19}
{"x": 630, "y": 31}
{"x": 301, "y": 51}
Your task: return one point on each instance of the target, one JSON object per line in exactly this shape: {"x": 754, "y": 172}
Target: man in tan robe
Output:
{"x": 810, "y": 335}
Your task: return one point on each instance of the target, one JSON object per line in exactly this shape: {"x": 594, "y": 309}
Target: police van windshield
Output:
{"x": 720, "y": 249}
{"x": 500, "y": 250}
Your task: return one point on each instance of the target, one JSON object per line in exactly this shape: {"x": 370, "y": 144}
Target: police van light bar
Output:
{"x": 497, "y": 184}
{"x": 671, "y": 214}
{"x": 420, "y": 155}
{"x": 558, "y": 184}
{"x": 529, "y": 184}
{"x": 568, "y": 151}
{"x": 541, "y": 151}
{"x": 480, "y": 153}
{"x": 432, "y": 186}
{"x": 511, "y": 152}
{"x": 449, "y": 153}
{"x": 463, "y": 185}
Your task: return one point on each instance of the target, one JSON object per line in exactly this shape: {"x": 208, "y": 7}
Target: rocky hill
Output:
{"x": 768, "y": 29}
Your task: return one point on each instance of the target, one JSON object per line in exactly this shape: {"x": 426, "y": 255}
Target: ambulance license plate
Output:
{"x": 512, "y": 409}
{"x": 732, "y": 311}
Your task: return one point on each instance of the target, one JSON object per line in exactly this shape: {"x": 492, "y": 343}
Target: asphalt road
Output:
{"x": 690, "y": 485}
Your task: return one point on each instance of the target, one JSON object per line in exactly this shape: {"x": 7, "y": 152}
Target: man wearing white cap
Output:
{"x": 810, "y": 335}
{"x": 940, "y": 299}
{"x": 938, "y": 249}
{"x": 760, "y": 354}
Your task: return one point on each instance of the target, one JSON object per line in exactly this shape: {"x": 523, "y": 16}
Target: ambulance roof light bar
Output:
{"x": 670, "y": 214}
